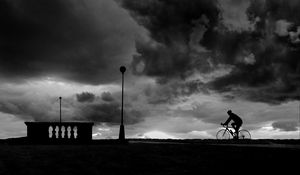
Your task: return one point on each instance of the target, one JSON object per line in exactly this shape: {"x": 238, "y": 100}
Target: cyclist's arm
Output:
{"x": 227, "y": 121}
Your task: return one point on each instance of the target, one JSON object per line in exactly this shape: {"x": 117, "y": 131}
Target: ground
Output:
{"x": 151, "y": 157}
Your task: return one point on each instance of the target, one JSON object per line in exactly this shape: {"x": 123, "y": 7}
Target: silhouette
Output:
{"x": 59, "y": 132}
{"x": 236, "y": 124}
{"x": 122, "y": 130}
{"x": 60, "y": 109}
{"x": 228, "y": 133}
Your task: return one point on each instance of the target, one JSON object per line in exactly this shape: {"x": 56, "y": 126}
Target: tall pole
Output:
{"x": 122, "y": 111}
{"x": 59, "y": 109}
{"x": 122, "y": 130}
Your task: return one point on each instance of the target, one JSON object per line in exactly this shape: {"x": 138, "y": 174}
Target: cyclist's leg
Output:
{"x": 234, "y": 126}
{"x": 238, "y": 126}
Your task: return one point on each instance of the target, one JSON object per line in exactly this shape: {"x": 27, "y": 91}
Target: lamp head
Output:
{"x": 122, "y": 69}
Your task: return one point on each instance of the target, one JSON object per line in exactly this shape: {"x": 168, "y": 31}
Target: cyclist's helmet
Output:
{"x": 229, "y": 112}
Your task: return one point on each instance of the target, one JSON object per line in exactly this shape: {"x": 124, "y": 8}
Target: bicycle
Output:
{"x": 228, "y": 133}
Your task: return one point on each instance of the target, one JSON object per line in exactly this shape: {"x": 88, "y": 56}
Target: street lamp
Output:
{"x": 122, "y": 130}
{"x": 59, "y": 109}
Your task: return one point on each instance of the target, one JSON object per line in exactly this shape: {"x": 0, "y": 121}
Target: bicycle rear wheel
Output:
{"x": 244, "y": 134}
{"x": 223, "y": 134}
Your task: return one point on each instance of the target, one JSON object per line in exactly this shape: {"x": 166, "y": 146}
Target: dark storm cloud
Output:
{"x": 106, "y": 109}
{"x": 79, "y": 107}
{"x": 171, "y": 91}
{"x": 36, "y": 109}
{"x": 170, "y": 23}
{"x": 81, "y": 41}
{"x": 273, "y": 76}
{"x": 109, "y": 113}
{"x": 107, "y": 96}
{"x": 197, "y": 36}
{"x": 85, "y": 97}
{"x": 285, "y": 125}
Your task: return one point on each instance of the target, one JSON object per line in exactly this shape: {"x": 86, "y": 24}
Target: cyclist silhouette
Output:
{"x": 236, "y": 124}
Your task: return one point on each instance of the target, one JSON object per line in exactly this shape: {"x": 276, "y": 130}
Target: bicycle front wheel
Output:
{"x": 223, "y": 134}
{"x": 244, "y": 134}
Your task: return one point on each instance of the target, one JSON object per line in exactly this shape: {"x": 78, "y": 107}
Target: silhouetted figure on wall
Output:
{"x": 236, "y": 124}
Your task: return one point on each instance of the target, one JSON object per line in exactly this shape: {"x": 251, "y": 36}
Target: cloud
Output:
{"x": 107, "y": 110}
{"x": 257, "y": 41}
{"x": 273, "y": 77}
{"x": 109, "y": 113}
{"x": 11, "y": 126}
{"x": 173, "y": 91}
{"x": 79, "y": 41}
{"x": 167, "y": 53}
{"x": 107, "y": 96}
{"x": 85, "y": 97}
{"x": 156, "y": 135}
{"x": 234, "y": 15}
{"x": 295, "y": 35}
{"x": 27, "y": 108}
{"x": 285, "y": 125}
{"x": 28, "y": 103}
{"x": 282, "y": 27}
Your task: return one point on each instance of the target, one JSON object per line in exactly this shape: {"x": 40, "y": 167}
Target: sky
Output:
{"x": 188, "y": 62}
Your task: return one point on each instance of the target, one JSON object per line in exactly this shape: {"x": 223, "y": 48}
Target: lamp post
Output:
{"x": 122, "y": 130}
{"x": 59, "y": 128}
{"x": 59, "y": 109}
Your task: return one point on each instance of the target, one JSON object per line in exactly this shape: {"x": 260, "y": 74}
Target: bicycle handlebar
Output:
{"x": 226, "y": 126}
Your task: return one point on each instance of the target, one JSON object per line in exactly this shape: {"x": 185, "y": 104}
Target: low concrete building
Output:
{"x": 59, "y": 131}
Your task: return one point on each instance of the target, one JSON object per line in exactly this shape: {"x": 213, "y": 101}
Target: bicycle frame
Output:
{"x": 229, "y": 128}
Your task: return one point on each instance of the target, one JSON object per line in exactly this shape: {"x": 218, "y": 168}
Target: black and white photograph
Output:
{"x": 145, "y": 87}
